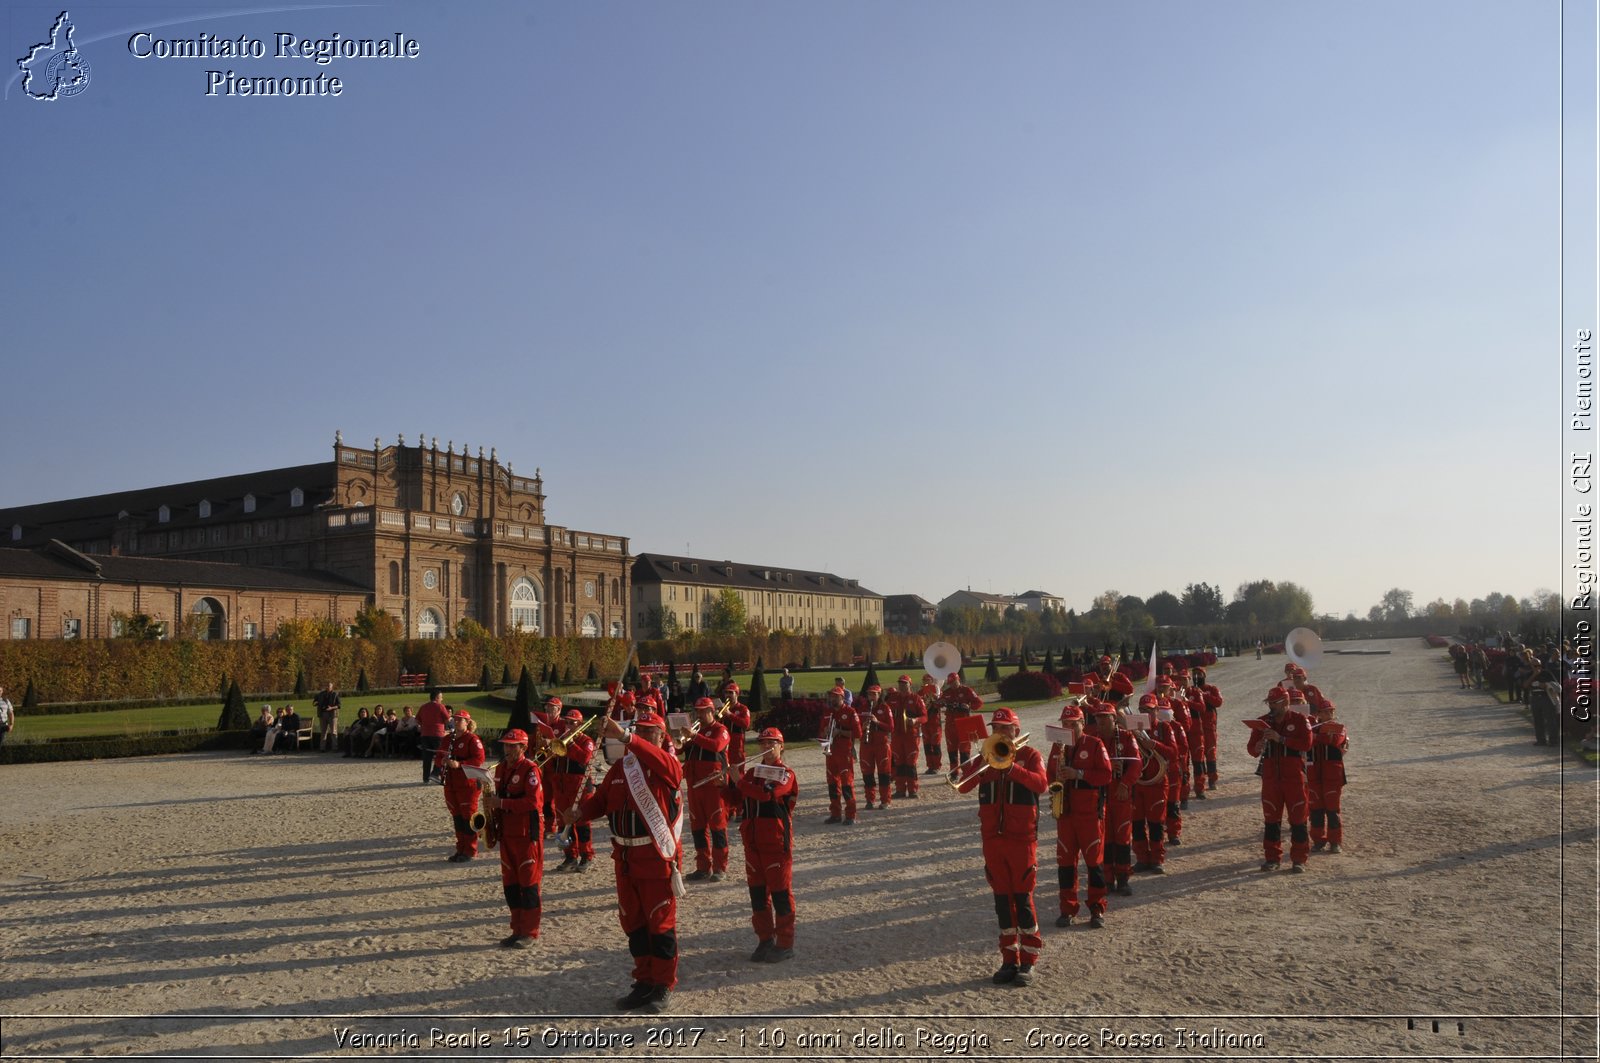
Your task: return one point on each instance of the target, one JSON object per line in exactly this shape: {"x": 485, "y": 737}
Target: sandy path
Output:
{"x": 245, "y": 903}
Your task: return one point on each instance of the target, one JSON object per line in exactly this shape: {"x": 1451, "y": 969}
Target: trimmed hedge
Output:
{"x": 1029, "y": 686}
{"x": 108, "y": 747}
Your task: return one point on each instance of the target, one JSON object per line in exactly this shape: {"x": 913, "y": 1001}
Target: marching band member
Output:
{"x": 1195, "y": 730}
{"x": 1281, "y": 738}
{"x": 958, "y": 701}
{"x": 931, "y": 727}
{"x": 1173, "y": 713}
{"x": 1008, "y": 809}
{"x": 567, "y": 776}
{"x": 1082, "y": 768}
{"x": 1307, "y": 690}
{"x": 461, "y": 791}
{"x": 876, "y": 726}
{"x": 640, "y": 797}
{"x": 767, "y": 830}
{"x": 841, "y": 729}
{"x": 737, "y": 720}
{"x": 1126, "y": 764}
{"x": 1150, "y": 792}
{"x": 1325, "y": 779}
{"x": 517, "y": 800}
{"x": 908, "y": 713}
{"x": 705, "y": 758}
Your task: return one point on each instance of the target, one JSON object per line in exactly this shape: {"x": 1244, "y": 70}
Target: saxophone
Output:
{"x": 1058, "y": 789}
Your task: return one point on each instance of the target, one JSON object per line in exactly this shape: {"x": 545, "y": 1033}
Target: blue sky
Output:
{"x": 1064, "y": 296}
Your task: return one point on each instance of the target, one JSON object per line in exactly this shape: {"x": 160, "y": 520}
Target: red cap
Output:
{"x": 1296, "y": 696}
{"x": 552, "y": 703}
{"x": 1004, "y": 715}
{"x": 874, "y": 689}
{"x": 1104, "y": 659}
{"x": 517, "y": 735}
{"x": 903, "y": 679}
{"x": 1099, "y": 708}
{"x": 732, "y": 688}
{"x": 953, "y": 675}
{"x": 1149, "y": 701}
{"x": 1071, "y": 713}
{"x": 1325, "y": 703}
{"x": 704, "y": 703}
{"x": 1278, "y": 696}
{"x": 463, "y": 714}
{"x": 1288, "y": 669}
{"x": 647, "y": 719}
{"x": 572, "y": 714}
{"x": 770, "y": 734}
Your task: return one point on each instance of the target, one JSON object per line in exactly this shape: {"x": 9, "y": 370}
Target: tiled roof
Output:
{"x": 659, "y": 568}
{"x": 57, "y": 561}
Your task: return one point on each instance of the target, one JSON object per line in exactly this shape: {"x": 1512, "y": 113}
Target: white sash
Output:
{"x": 665, "y": 836}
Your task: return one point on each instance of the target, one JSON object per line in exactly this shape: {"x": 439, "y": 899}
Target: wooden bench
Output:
{"x": 413, "y": 679}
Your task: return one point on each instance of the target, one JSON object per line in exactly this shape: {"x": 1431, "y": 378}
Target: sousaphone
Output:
{"x": 941, "y": 659}
{"x": 1303, "y": 647}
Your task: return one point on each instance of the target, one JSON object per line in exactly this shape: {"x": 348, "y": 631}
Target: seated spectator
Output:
{"x": 405, "y": 733}
{"x": 382, "y": 732}
{"x": 358, "y": 734}
{"x": 287, "y": 732}
{"x": 258, "y": 730}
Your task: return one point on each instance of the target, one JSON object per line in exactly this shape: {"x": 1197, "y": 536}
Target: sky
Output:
{"x": 1058, "y": 296}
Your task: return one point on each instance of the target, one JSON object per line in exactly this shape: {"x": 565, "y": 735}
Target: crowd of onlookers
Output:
{"x": 375, "y": 732}
{"x": 1538, "y": 677}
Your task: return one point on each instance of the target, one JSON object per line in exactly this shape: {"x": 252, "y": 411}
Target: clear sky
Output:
{"x": 1058, "y": 295}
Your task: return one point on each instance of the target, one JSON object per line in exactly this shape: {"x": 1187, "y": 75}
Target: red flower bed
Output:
{"x": 1029, "y": 686}
{"x": 800, "y": 719}
{"x": 1438, "y": 642}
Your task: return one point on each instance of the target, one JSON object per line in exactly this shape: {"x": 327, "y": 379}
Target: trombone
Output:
{"x": 998, "y": 752}
{"x": 557, "y": 747}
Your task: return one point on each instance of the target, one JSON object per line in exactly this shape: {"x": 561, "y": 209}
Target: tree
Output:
{"x": 30, "y": 698}
{"x": 235, "y": 717}
{"x": 467, "y": 629}
{"x": 377, "y": 625}
{"x": 485, "y": 678}
{"x": 992, "y": 673}
{"x": 362, "y": 686}
{"x": 1106, "y": 603}
{"x": 1396, "y": 604}
{"x": 300, "y": 683}
{"x": 728, "y": 614}
{"x": 505, "y": 674}
{"x": 758, "y": 688}
{"x": 660, "y": 623}
{"x": 1165, "y": 609}
{"x": 1202, "y": 604}
{"x": 522, "y": 708}
{"x": 138, "y": 627}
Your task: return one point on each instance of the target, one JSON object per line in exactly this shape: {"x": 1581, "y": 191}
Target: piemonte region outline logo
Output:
{"x": 57, "y": 63}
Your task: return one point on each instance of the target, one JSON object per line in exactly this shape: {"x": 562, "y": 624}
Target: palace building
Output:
{"x": 434, "y": 536}
{"x": 777, "y": 599}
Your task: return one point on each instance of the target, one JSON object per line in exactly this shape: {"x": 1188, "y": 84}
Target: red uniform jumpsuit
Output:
{"x": 567, "y": 775}
{"x": 1150, "y": 801}
{"x": 958, "y": 703}
{"x": 1177, "y": 770}
{"x": 1283, "y": 783}
{"x": 516, "y": 784}
{"x": 908, "y": 713}
{"x": 767, "y": 830}
{"x": 646, "y": 907}
{"x": 552, "y": 724}
{"x": 1212, "y": 698}
{"x": 876, "y": 725}
{"x": 737, "y": 721}
{"x": 1008, "y": 809}
{"x": 840, "y": 764}
{"x": 1195, "y": 729}
{"x": 930, "y": 729}
{"x": 460, "y": 792}
{"x": 1325, "y": 781}
{"x": 1119, "y": 806}
{"x": 705, "y": 756}
{"x": 1082, "y": 829}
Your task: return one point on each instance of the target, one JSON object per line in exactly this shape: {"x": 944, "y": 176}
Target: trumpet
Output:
{"x": 557, "y": 747}
{"x": 998, "y": 752}
{"x": 716, "y": 717}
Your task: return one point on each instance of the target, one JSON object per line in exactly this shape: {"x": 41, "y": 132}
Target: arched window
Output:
{"x": 297, "y": 498}
{"x": 164, "y": 514}
{"x": 215, "y": 622}
{"x": 616, "y": 592}
{"x": 526, "y": 609}
{"x": 429, "y": 624}
{"x": 249, "y": 503}
{"x": 394, "y": 577}
{"x": 591, "y": 626}
{"x": 16, "y": 532}
{"x": 205, "y": 508}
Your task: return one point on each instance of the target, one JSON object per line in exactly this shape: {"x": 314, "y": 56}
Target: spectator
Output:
{"x": 698, "y": 688}
{"x": 382, "y": 733}
{"x": 1478, "y": 663}
{"x": 288, "y": 729}
{"x": 849, "y": 699}
{"x": 259, "y": 729}
{"x": 358, "y": 733}
{"x": 432, "y": 720}
{"x": 327, "y": 703}
{"x": 1462, "y": 665}
{"x": 8, "y": 716}
{"x": 405, "y": 734}
{"x": 786, "y": 686}
{"x": 1544, "y": 703}
{"x": 674, "y": 695}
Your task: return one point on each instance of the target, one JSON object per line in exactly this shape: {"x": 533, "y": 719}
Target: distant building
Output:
{"x": 434, "y": 536}
{"x": 996, "y": 603}
{"x": 786, "y": 599}
{"x": 908, "y": 614}
{"x": 1039, "y": 601}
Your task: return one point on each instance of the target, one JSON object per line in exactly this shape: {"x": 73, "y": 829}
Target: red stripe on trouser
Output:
{"x": 1011, "y": 868}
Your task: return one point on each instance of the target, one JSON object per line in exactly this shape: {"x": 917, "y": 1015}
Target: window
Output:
{"x": 72, "y": 628}
{"x": 16, "y": 532}
{"x": 20, "y": 626}
{"x": 616, "y": 629}
{"x": 591, "y": 626}
{"x": 297, "y": 498}
{"x": 429, "y": 624}
{"x": 250, "y": 629}
{"x": 525, "y": 606}
{"x": 249, "y": 503}
{"x": 616, "y": 591}
{"x": 164, "y": 514}
{"x": 394, "y": 577}
{"x": 205, "y": 507}
{"x": 210, "y": 621}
